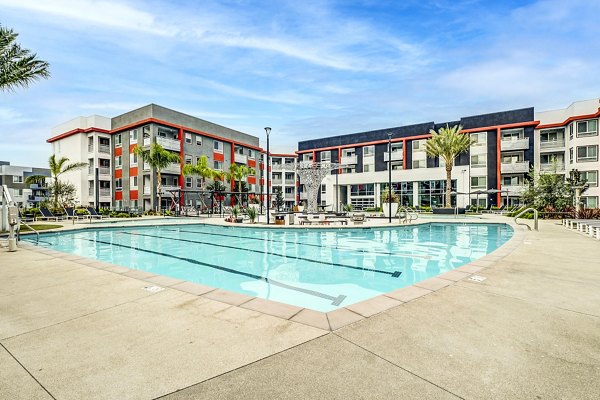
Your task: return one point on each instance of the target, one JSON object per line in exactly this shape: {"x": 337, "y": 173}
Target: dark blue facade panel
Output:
{"x": 498, "y": 118}
{"x": 492, "y": 163}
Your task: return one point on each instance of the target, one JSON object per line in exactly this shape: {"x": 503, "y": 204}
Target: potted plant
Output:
{"x": 301, "y": 206}
{"x": 388, "y": 197}
{"x": 252, "y": 213}
{"x": 235, "y": 214}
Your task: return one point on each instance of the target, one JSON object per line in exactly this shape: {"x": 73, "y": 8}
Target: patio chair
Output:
{"x": 71, "y": 214}
{"x": 358, "y": 219}
{"x": 93, "y": 213}
{"x": 26, "y": 218}
{"x": 47, "y": 214}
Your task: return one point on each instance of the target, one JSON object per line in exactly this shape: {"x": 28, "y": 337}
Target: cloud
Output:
{"x": 10, "y": 116}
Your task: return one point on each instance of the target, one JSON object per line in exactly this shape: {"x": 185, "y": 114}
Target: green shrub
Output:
{"x": 122, "y": 215}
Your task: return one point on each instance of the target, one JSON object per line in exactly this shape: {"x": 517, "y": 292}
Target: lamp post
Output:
{"x": 579, "y": 186}
{"x": 268, "y": 131}
{"x": 390, "y": 177}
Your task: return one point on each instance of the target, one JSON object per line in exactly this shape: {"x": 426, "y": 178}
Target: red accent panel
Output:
{"x": 118, "y": 151}
{"x": 252, "y": 163}
{"x": 219, "y": 157}
{"x": 252, "y": 179}
{"x": 133, "y": 195}
{"x": 404, "y": 155}
{"x": 133, "y": 171}
{"x": 498, "y": 172}
{"x": 131, "y": 147}
{"x": 118, "y": 173}
{"x": 119, "y": 195}
{"x": 181, "y": 183}
{"x": 262, "y": 181}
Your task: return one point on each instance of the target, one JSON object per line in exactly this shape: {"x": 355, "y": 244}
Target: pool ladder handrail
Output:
{"x": 535, "y": 218}
{"x": 37, "y": 234}
{"x": 409, "y": 216}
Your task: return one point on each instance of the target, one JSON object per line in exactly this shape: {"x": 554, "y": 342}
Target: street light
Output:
{"x": 268, "y": 131}
{"x": 390, "y": 177}
{"x": 579, "y": 185}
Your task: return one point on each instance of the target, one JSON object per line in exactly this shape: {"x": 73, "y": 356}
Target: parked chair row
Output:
{"x": 590, "y": 227}
{"x": 70, "y": 213}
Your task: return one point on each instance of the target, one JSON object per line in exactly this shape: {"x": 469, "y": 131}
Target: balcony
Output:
{"x": 513, "y": 189}
{"x": 303, "y": 196}
{"x": 38, "y": 186}
{"x": 240, "y": 158}
{"x": 550, "y": 167}
{"x": 518, "y": 144}
{"x": 173, "y": 168}
{"x": 289, "y": 196}
{"x": 290, "y": 181}
{"x": 276, "y": 181}
{"x": 348, "y": 160}
{"x": 166, "y": 189}
{"x": 396, "y": 156}
{"x": 147, "y": 189}
{"x": 104, "y": 192}
{"x": 104, "y": 170}
{"x": 552, "y": 145}
{"x": 90, "y": 148}
{"x": 35, "y": 199}
{"x": 169, "y": 144}
{"x": 517, "y": 167}
{"x": 104, "y": 148}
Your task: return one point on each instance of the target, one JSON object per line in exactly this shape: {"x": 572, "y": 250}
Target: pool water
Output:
{"x": 320, "y": 269}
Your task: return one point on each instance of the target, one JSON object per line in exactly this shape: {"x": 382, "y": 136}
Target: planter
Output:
{"x": 300, "y": 208}
{"x": 386, "y": 209}
{"x": 448, "y": 211}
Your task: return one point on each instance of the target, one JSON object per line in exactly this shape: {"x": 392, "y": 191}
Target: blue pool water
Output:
{"x": 320, "y": 269}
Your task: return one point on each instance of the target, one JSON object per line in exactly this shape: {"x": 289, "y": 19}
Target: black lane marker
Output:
{"x": 394, "y": 274}
{"x": 335, "y": 301}
{"x": 385, "y": 253}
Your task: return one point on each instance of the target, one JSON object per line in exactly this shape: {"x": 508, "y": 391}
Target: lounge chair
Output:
{"x": 93, "y": 213}
{"x": 26, "y": 219}
{"x": 47, "y": 214}
{"x": 358, "y": 219}
{"x": 71, "y": 214}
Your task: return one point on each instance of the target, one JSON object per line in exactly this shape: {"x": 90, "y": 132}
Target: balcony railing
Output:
{"x": 147, "y": 189}
{"x": 173, "y": 168}
{"x": 290, "y": 181}
{"x": 396, "y": 156}
{"x": 303, "y": 196}
{"x": 289, "y": 196}
{"x": 549, "y": 167}
{"x": 515, "y": 167}
{"x": 276, "y": 181}
{"x": 513, "y": 189}
{"x": 104, "y": 170}
{"x": 552, "y": 144}
{"x": 348, "y": 160}
{"x": 240, "y": 158}
{"x": 104, "y": 148}
{"x": 104, "y": 192}
{"x": 90, "y": 148}
{"x": 519, "y": 144}
{"x": 169, "y": 144}
{"x": 165, "y": 189}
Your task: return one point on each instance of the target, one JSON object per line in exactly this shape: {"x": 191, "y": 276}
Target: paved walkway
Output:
{"x": 531, "y": 330}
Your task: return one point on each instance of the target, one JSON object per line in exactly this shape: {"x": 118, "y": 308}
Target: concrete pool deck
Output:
{"x": 531, "y": 329}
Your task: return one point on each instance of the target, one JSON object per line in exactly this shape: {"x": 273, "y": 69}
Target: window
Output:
{"x": 238, "y": 150}
{"x": 478, "y": 161}
{"x": 418, "y": 145}
{"x": 587, "y": 128}
{"x": 19, "y": 192}
{"x": 218, "y": 165}
{"x": 512, "y": 180}
{"x": 133, "y": 159}
{"x": 589, "y": 201}
{"x": 571, "y": 156}
{"x": 17, "y": 179}
{"x": 188, "y": 138}
{"x": 325, "y": 156}
{"x": 251, "y": 154}
{"x": 198, "y": 182}
{"x": 397, "y": 147}
{"x": 118, "y": 140}
{"x": 368, "y": 168}
{"x": 134, "y": 204}
{"x": 369, "y": 151}
{"x": 188, "y": 159}
{"x": 119, "y": 183}
{"x": 349, "y": 170}
{"x": 188, "y": 182}
{"x": 397, "y": 166}
{"x": 198, "y": 140}
{"x": 478, "y": 181}
{"x": 587, "y": 153}
{"x": 416, "y": 164}
{"x": 552, "y": 136}
{"x": 218, "y": 146}
{"x": 480, "y": 138}
{"x": 133, "y": 136}
{"x": 512, "y": 134}
{"x": 133, "y": 181}
{"x": 552, "y": 158}
{"x": 591, "y": 177}
{"x": 118, "y": 162}
{"x": 571, "y": 131}
{"x": 367, "y": 189}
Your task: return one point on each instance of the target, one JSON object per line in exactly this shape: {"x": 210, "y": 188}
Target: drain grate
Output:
{"x": 154, "y": 289}
{"x": 477, "y": 278}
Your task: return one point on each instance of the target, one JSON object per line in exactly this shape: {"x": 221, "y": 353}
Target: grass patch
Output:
{"x": 39, "y": 227}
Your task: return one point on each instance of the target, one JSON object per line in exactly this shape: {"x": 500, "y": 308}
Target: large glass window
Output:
{"x": 590, "y": 201}
{"x": 403, "y": 189}
{"x": 552, "y": 136}
{"x": 432, "y": 193}
{"x": 218, "y": 165}
{"x": 133, "y": 136}
{"x": 325, "y": 155}
{"x": 367, "y": 189}
{"x": 369, "y": 151}
{"x": 587, "y": 128}
{"x": 118, "y": 140}
{"x": 512, "y": 134}
{"x": 478, "y": 182}
{"x": 218, "y": 146}
{"x": 591, "y": 177}
{"x": 587, "y": 153}
{"x": 480, "y": 138}
{"x": 479, "y": 160}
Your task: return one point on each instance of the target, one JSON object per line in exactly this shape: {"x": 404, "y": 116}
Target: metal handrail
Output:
{"x": 37, "y": 234}
{"x": 408, "y": 217}
{"x": 535, "y": 218}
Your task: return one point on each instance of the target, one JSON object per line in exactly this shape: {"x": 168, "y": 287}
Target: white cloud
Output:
{"x": 9, "y": 116}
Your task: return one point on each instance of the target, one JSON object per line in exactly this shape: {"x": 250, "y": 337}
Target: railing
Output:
{"x": 173, "y": 168}
{"x": 290, "y": 181}
{"x": 550, "y": 144}
{"x": 169, "y": 144}
{"x": 276, "y": 181}
{"x": 406, "y": 215}
{"x": 104, "y": 170}
{"x": 289, "y": 196}
{"x": 535, "y": 218}
{"x": 560, "y": 167}
{"x": 516, "y": 189}
{"x": 515, "y": 167}
{"x": 348, "y": 160}
{"x": 396, "y": 156}
{"x": 303, "y": 196}
{"x": 240, "y": 158}
{"x": 90, "y": 148}
{"x": 104, "y": 148}
{"x": 147, "y": 189}
{"x": 104, "y": 192}
{"x": 518, "y": 144}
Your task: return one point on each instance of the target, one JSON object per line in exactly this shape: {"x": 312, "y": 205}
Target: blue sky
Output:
{"x": 306, "y": 68}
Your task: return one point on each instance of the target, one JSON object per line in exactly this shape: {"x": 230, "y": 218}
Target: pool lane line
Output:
{"x": 394, "y": 274}
{"x": 335, "y": 300}
{"x": 385, "y": 253}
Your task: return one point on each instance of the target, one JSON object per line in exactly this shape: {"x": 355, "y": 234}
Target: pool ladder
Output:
{"x": 406, "y": 215}
{"x": 535, "y": 218}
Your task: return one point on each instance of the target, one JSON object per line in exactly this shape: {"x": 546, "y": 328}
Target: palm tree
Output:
{"x": 201, "y": 169}
{"x": 18, "y": 67}
{"x": 57, "y": 168}
{"x": 158, "y": 158}
{"x": 237, "y": 173}
{"x": 448, "y": 144}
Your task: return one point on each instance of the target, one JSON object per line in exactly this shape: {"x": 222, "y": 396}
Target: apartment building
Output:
{"x": 283, "y": 178}
{"x": 501, "y": 155}
{"x": 126, "y": 182}
{"x": 566, "y": 140}
{"x": 14, "y": 178}
{"x": 87, "y": 140}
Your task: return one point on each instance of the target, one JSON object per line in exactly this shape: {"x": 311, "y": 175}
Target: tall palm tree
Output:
{"x": 448, "y": 144}
{"x": 18, "y": 67}
{"x": 237, "y": 173}
{"x": 158, "y": 158}
{"x": 57, "y": 168}
{"x": 201, "y": 169}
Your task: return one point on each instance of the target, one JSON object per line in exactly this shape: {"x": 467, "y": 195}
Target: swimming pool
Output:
{"x": 319, "y": 269}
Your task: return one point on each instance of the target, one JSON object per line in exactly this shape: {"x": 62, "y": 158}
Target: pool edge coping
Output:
{"x": 328, "y": 321}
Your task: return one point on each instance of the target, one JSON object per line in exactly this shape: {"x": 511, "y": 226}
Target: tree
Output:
{"x": 448, "y": 144}
{"x": 201, "y": 169}
{"x": 237, "y": 173}
{"x": 550, "y": 191}
{"x": 18, "y": 67}
{"x": 158, "y": 158}
{"x": 57, "y": 168}
{"x": 279, "y": 202}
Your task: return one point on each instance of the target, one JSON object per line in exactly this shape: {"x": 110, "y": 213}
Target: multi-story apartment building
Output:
{"x": 283, "y": 178}
{"x": 14, "y": 178}
{"x": 131, "y": 184}
{"x": 567, "y": 139}
{"x": 500, "y": 156}
{"x": 87, "y": 140}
